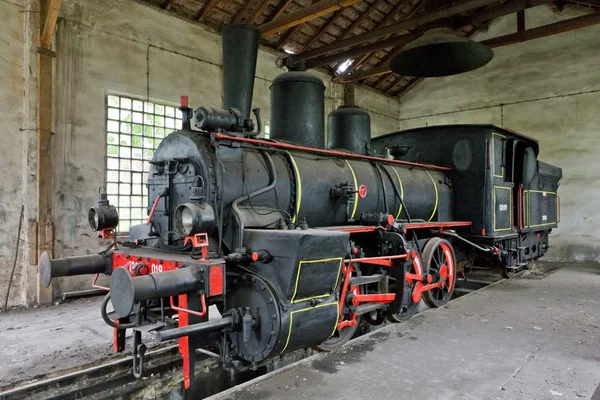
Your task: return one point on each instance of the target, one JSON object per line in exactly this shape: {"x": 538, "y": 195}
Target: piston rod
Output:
{"x": 195, "y": 329}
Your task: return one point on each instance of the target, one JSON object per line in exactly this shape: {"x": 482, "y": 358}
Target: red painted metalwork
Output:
{"x": 390, "y": 219}
{"x": 418, "y": 266}
{"x": 440, "y": 225}
{"x": 450, "y": 265}
{"x": 344, "y": 323}
{"x": 199, "y": 240}
{"x": 108, "y": 233}
{"x": 386, "y": 261}
{"x": 95, "y": 286}
{"x": 359, "y": 229}
{"x": 362, "y": 191}
{"x": 115, "y": 340}
{"x": 184, "y": 101}
{"x": 130, "y": 263}
{"x": 184, "y": 310}
{"x": 184, "y": 342}
{"x": 345, "y": 287}
{"x": 382, "y": 298}
{"x": 220, "y": 136}
{"x": 430, "y": 287}
{"x": 152, "y": 210}
{"x": 215, "y": 279}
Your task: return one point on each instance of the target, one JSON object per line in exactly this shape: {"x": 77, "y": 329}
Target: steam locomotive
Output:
{"x": 296, "y": 243}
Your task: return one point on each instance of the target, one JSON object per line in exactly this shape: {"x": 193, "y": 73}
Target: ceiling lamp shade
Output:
{"x": 440, "y": 52}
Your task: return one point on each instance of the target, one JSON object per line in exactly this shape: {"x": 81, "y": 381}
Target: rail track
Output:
{"x": 113, "y": 379}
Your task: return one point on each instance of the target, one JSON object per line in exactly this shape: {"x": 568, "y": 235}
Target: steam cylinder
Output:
{"x": 240, "y": 50}
{"x": 298, "y": 109}
{"x": 349, "y": 129}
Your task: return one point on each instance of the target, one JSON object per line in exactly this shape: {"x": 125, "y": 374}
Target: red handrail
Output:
{"x": 220, "y": 136}
{"x": 187, "y": 311}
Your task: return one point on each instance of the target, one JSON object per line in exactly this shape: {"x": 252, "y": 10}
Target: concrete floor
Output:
{"x": 49, "y": 339}
{"x": 528, "y": 338}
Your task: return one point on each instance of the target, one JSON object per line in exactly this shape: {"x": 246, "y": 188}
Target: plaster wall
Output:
{"x": 17, "y": 157}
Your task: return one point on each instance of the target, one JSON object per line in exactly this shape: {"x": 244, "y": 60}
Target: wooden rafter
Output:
{"x": 287, "y": 36}
{"x": 281, "y": 9}
{"x": 545, "y": 30}
{"x": 205, "y": 10}
{"x": 243, "y": 11}
{"x": 169, "y": 4}
{"x": 317, "y": 35}
{"x": 356, "y": 24}
{"x": 399, "y": 27}
{"x": 381, "y": 79}
{"x": 305, "y": 14}
{"x": 481, "y": 17}
{"x": 263, "y": 6}
{"x": 385, "y": 20}
{"x": 348, "y": 31}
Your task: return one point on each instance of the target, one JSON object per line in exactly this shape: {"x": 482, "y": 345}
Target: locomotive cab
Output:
{"x": 499, "y": 185}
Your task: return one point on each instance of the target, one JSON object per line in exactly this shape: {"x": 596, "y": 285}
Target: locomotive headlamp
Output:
{"x": 103, "y": 216}
{"x": 191, "y": 218}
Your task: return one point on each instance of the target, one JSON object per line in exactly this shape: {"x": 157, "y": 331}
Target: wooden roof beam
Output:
{"x": 308, "y": 13}
{"x": 545, "y": 30}
{"x": 204, "y": 10}
{"x": 317, "y": 35}
{"x": 399, "y": 27}
{"x": 524, "y": 36}
{"x": 361, "y": 18}
{"x": 259, "y": 11}
{"x": 242, "y": 11}
{"x": 389, "y": 17}
{"x": 169, "y": 5}
{"x": 281, "y": 9}
{"x": 287, "y": 36}
{"x": 50, "y": 24}
{"x": 357, "y": 51}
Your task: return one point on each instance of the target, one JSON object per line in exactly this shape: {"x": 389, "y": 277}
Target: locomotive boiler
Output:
{"x": 296, "y": 243}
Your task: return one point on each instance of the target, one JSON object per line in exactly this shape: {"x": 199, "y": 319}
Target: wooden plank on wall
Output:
{"x": 45, "y": 230}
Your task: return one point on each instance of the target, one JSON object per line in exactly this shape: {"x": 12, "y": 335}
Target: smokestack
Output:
{"x": 240, "y": 49}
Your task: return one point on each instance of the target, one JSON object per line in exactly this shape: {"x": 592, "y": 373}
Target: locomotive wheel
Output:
{"x": 508, "y": 273}
{"x": 440, "y": 263}
{"x": 339, "y": 337}
{"x": 408, "y": 311}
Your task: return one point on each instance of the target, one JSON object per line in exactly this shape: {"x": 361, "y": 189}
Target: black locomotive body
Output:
{"x": 296, "y": 244}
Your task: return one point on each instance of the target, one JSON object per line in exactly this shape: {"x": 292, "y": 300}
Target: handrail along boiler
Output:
{"x": 294, "y": 243}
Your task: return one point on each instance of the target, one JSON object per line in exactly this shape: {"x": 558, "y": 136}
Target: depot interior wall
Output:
{"x": 14, "y": 152}
{"x": 104, "y": 47}
{"x": 548, "y": 89}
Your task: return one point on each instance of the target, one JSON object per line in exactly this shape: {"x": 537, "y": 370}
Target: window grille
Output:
{"x": 134, "y": 128}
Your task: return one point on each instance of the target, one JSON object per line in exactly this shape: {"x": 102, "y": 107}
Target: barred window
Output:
{"x": 135, "y": 128}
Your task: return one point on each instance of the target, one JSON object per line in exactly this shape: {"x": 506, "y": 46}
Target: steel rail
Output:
{"x": 24, "y": 389}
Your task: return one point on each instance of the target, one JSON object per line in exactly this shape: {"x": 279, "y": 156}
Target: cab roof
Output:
{"x": 533, "y": 142}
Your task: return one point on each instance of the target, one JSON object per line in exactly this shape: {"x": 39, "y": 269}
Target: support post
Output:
{"x": 49, "y": 10}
